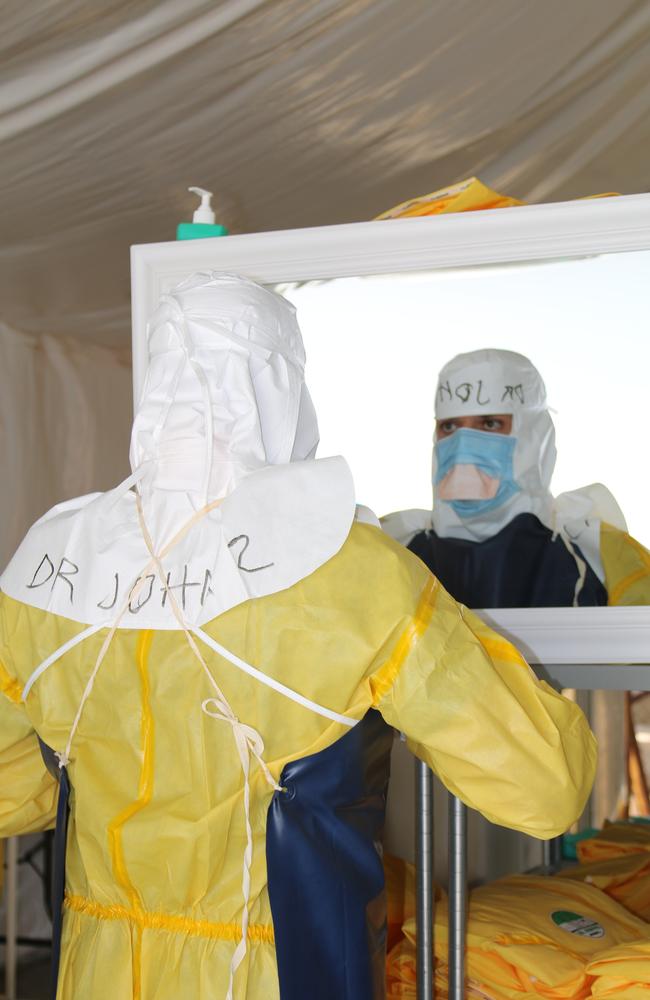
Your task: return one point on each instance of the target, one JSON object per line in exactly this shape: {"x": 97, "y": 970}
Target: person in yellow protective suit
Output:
{"x": 212, "y": 657}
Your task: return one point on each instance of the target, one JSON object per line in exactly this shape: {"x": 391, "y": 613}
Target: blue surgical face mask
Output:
{"x": 491, "y": 453}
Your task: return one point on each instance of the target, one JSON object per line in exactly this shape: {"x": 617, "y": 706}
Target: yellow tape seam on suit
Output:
{"x": 628, "y": 581}
{"x": 9, "y": 686}
{"x": 619, "y": 588}
{"x": 500, "y": 649}
{"x": 259, "y": 933}
{"x": 145, "y": 788}
{"x": 145, "y": 791}
{"x": 385, "y": 677}
{"x": 640, "y": 549}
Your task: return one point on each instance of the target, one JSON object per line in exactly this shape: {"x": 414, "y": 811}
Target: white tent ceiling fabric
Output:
{"x": 296, "y": 113}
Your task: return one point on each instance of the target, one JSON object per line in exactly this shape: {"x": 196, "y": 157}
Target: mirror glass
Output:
{"x": 375, "y": 346}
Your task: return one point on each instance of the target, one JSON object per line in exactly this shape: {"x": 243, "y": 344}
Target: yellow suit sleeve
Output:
{"x": 627, "y": 567}
{"x": 28, "y": 793}
{"x": 470, "y": 706}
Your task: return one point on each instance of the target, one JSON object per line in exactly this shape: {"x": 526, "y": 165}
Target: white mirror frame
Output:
{"x": 578, "y": 647}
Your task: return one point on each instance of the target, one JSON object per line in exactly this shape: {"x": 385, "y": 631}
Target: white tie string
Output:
{"x": 581, "y": 565}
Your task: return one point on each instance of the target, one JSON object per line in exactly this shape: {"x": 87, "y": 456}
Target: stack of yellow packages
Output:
{"x": 527, "y": 937}
{"x": 615, "y": 840}
{"x": 617, "y": 861}
{"x": 401, "y": 976}
{"x": 625, "y": 878}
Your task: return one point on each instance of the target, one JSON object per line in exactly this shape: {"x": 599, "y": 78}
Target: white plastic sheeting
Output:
{"x": 296, "y": 113}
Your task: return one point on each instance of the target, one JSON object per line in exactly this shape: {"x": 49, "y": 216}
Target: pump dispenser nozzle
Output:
{"x": 204, "y": 212}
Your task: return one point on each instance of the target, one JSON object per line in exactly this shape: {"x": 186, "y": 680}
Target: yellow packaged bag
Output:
{"x": 622, "y": 972}
{"x": 470, "y": 195}
{"x": 626, "y": 879}
{"x": 614, "y": 840}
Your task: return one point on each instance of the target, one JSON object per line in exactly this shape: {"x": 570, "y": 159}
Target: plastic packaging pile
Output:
{"x": 583, "y": 933}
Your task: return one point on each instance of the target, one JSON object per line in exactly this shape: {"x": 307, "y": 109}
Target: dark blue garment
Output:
{"x": 326, "y": 879}
{"x": 520, "y": 567}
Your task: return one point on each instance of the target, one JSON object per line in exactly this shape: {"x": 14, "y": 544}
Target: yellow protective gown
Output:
{"x": 627, "y": 567}
{"x": 157, "y": 829}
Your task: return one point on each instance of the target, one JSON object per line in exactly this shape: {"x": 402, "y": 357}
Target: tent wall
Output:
{"x": 65, "y": 414}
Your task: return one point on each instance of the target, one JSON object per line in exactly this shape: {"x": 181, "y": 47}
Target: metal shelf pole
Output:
{"x": 457, "y": 897}
{"x": 424, "y": 876}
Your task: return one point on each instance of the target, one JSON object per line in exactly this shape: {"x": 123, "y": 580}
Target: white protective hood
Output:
{"x": 493, "y": 381}
{"x": 225, "y": 419}
{"x": 224, "y": 394}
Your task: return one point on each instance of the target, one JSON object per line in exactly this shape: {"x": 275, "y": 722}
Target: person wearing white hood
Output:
{"x": 496, "y": 537}
{"x": 213, "y": 682}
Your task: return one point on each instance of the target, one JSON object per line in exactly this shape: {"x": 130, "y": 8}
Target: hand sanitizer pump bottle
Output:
{"x": 203, "y": 221}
